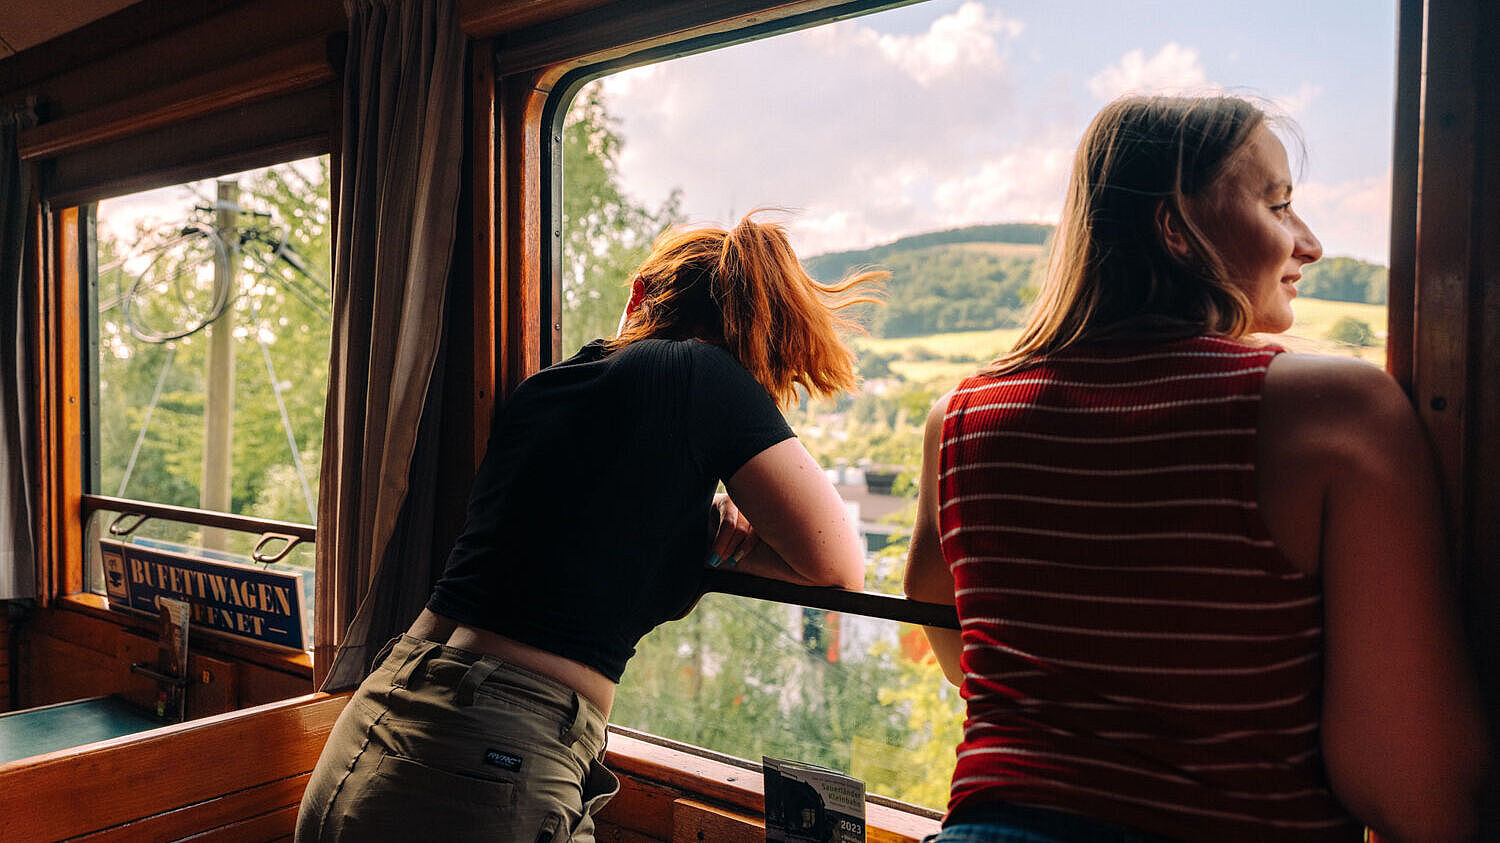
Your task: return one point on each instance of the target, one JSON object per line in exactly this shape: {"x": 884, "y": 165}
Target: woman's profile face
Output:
{"x": 1247, "y": 217}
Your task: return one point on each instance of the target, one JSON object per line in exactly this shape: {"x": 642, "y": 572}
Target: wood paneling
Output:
{"x": 641, "y": 807}
{"x": 695, "y": 822}
{"x": 1440, "y": 382}
{"x": 70, "y": 654}
{"x": 1481, "y": 572}
{"x": 652, "y": 770}
{"x": 269, "y": 799}
{"x": 279, "y": 72}
{"x": 623, "y": 27}
{"x": 161, "y": 56}
{"x": 522, "y": 223}
{"x": 235, "y": 777}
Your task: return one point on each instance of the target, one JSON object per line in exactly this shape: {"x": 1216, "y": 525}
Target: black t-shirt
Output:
{"x": 588, "y": 521}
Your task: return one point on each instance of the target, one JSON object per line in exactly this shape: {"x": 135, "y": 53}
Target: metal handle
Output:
{"x": 260, "y": 555}
{"x": 145, "y": 669}
{"x": 118, "y": 527}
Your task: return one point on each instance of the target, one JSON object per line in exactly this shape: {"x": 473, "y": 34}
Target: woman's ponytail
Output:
{"x": 758, "y": 303}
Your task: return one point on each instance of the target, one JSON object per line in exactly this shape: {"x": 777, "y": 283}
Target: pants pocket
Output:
{"x": 599, "y": 786}
{"x": 403, "y": 798}
{"x": 409, "y": 776}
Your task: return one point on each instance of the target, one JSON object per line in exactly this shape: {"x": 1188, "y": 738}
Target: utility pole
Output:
{"x": 218, "y": 401}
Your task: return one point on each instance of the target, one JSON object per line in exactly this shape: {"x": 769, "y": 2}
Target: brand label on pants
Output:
{"x": 503, "y": 760}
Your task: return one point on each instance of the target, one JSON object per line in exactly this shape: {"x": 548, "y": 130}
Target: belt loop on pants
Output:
{"x": 384, "y": 651}
{"x": 477, "y": 674}
{"x": 414, "y": 660}
{"x": 574, "y": 730}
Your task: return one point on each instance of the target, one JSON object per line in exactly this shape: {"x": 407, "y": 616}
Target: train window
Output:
{"x": 934, "y": 140}
{"x": 210, "y": 313}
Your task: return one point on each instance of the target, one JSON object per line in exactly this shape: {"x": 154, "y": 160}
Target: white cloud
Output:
{"x": 869, "y": 131}
{"x": 1024, "y": 184}
{"x": 1173, "y": 69}
{"x": 1298, "y": 104}
{"x": 838, "y": 123}
{"x": 1355, "y": 215}
{"x": 967, "y": 40}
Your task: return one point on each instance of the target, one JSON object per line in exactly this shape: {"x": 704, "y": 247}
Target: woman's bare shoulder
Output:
{"x": 1337, "y": 407}
{"x": 1334, "y": 393}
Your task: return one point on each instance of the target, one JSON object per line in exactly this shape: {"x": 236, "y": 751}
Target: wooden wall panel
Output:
{"x": 651, "y": 772}
{"x": 175, "y": 778}
{"x": 55, "y": 670}
{"x": 68, "y": 655}
{"x": 1445, "y": 272}
{"x": 1481, "y": 574}
{"x": 642, "y": 807}
{"x": 161, "y": 56}
{"x": 695, "y": 822}
{"x": 228, "y": 810}
{"x": 519, "y": 286}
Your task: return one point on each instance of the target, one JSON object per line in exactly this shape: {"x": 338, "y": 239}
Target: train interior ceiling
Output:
{"x": 115, "y": 724}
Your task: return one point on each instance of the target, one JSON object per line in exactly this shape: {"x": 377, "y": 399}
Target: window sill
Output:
{"x": 741, "y": 789}
{"x": 284, "y": 661}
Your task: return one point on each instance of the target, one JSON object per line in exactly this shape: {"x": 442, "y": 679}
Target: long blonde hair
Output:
{"x": 1110, "y": 272}
{"x": 745, "y": 290}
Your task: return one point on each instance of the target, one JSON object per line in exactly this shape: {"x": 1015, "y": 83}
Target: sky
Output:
{"x": 951, "y": 113}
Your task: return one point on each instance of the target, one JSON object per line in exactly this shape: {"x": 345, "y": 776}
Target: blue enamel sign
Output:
{"x": 226, "y": 597}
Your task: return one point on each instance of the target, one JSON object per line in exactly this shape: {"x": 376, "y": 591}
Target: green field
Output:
{"x": 1309, "y": 333}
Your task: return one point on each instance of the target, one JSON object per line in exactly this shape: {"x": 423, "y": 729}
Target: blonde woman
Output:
{"x": 1200, "y": 582}
{"x": 589, "y": 524}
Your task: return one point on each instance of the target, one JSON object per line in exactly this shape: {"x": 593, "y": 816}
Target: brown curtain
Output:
{"x": 400, "y": 174}
{"x": 17, "y": 335}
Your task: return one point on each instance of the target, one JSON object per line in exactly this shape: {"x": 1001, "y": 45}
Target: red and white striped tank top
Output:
{"x": 1135, "y": 647}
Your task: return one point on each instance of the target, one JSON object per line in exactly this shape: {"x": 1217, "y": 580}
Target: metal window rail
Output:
{"x": 864, "y": 603}
{"x": 201, "y": 517}
{"x": 288, "y": 533}
{"x": 724, "y": 582}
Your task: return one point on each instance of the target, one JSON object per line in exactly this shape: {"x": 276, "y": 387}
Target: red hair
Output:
{"x": 746, "y": 291}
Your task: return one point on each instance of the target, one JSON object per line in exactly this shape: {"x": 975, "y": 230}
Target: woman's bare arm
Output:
{"x": 802, "y": 526}
{"x": 1403, "y": 738}
{"x": 928, "y": 577}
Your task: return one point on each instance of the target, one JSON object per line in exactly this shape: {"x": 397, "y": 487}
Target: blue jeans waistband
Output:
{"x": 1004, "y": 822}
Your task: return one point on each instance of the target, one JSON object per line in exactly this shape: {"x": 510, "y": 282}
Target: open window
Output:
{"x": 933, "y": 140}
{"x": 208, "y": 321}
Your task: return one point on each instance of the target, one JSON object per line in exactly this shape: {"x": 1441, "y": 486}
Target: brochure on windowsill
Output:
{"x": 810, "y": 803}
{"x": 172, "y": 656}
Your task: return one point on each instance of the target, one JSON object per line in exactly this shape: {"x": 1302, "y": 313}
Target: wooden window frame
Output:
{"x": 270, "y": 107}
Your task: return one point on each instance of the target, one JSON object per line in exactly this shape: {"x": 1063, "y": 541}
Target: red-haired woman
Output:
{"x": 589, "y": 525}
{"x": 1200, "y": 582}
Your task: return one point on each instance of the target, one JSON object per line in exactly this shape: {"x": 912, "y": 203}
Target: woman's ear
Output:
{"x": 637, "y": 294}
{"x": 633, "y": 304}
{"x": 1172, "y": 231}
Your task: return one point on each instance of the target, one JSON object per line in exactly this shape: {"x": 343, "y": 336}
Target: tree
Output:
{"x": 155, "y": 296}
{"x": 606, "y": 234}
{"x": 1352, "y": 331}
{"x": 1345, "y": 279}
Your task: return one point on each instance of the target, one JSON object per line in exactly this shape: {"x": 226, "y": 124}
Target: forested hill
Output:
{"x": 962, "y": 279}
{"x": 982, "y": 277}
{"x": 833, "y": 265}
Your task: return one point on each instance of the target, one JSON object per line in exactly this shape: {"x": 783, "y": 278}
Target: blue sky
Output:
{"x": 951, "y": 113}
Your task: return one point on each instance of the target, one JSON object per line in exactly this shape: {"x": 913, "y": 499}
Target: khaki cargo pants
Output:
{"x": 441, "y": 744}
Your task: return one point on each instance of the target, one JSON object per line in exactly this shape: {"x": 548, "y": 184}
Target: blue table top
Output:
{"x": 37, "y": 731}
